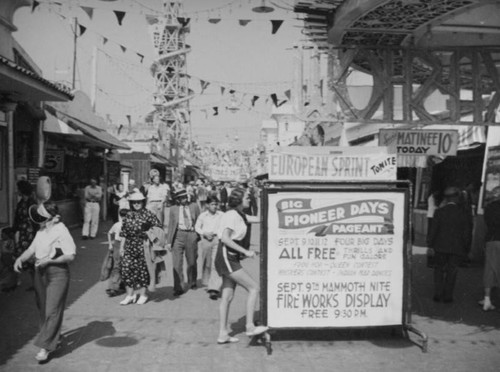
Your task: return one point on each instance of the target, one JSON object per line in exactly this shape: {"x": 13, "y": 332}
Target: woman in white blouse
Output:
{"x": 234, "y": 244}
{"x": 52, "y": 249}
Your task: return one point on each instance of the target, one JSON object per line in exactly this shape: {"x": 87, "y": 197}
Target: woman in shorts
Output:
{"x": 234, "y": 245}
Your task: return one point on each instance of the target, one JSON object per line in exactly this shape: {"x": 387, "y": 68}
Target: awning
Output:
{"x": 25, "y": 85}
{"x": 56, "y": 126}
{"x": 469, "y": 136}
{"x": 100, "y": 138}
{"x": 157, "y": 158}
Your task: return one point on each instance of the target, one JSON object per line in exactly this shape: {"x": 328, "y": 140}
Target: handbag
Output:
{"x": 107, "y": 266}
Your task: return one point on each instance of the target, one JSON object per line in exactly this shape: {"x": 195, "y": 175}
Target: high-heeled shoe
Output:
{"x": 250, "y": 332}
{"x": 128, "y": 300}
{"x": 42, "y": 355}
{"x": 142, "y": 300}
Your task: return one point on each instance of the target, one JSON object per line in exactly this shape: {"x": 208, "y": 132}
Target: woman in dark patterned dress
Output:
{"x": 134, "y": 269}
{"x": 23, "y": 226}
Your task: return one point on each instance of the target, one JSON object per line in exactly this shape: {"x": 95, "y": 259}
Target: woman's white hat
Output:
{"x": 136, "y": 196}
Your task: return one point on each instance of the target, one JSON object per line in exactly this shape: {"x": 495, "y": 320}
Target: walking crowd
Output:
{"x": 150, "y": 223}
{"x": 156, "y": 220}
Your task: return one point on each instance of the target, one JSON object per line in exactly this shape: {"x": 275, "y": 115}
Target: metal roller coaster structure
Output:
{"x": 172, "y": 95}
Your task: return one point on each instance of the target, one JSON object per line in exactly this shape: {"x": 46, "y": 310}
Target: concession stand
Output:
{"x": 336, "y": 248}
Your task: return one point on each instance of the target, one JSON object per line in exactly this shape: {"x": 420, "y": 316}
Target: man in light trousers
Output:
{"x": 93, "y": 196}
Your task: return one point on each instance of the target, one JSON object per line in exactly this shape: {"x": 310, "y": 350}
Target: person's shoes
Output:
{"x": 42, "y": 356}
{"x": 92, "y": 237}
{"x": 256, "y": 331}
{"x": 227, "y": 340}
{"x": 85, "y": 237}
{"x": 194, "y": 286}
{"x": 128, "y": 300}
{"x": 178, "y": 293}
{"x": 213, "y": 295}
{"x": 487, "y": 305}
{"x": 142, "y": 300}
{"x": 114, "y": 292}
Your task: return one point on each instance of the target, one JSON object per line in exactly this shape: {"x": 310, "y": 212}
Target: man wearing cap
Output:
{"x": 93, "y": 196}
{"x": 156, "y": 195}
{"x": 183, "y": 240}
{"x": 448, "y": 238}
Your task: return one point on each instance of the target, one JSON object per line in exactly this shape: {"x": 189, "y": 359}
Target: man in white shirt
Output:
{"x": 93, "y": 196}
{"x": 207, "y": 226}
{"x": 156, "y": 195}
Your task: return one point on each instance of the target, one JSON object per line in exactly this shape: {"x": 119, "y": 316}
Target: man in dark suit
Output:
{"x": 223, "y": 197}
{"x": 183, "y": 240}
{"x": 448, "y": 238}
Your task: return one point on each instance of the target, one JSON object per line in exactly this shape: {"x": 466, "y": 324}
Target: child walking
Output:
{"x": 115, "y": 287}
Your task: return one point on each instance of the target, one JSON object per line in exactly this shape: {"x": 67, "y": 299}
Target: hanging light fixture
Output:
{"x": 263, "y": 8}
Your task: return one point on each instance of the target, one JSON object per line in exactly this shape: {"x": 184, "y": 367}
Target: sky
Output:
{"x": 249, "y": 59}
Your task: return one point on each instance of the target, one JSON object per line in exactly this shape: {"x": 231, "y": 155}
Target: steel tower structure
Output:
{"x": 172, "y": 95}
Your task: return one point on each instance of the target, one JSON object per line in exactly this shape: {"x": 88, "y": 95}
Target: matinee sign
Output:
{"x": 419, "y": 142}
{"x": 332, "y": 167}
{"x": 336, "y": 259}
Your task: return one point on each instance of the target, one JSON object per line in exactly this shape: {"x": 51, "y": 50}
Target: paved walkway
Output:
{"x": 178, "y": 334}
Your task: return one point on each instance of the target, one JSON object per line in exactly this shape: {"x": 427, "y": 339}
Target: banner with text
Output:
{"x": 222, "y": 173}
{"x": 336, "y": 259}
{"x": 332, "y": 167}
{"x": 419, "y": 142}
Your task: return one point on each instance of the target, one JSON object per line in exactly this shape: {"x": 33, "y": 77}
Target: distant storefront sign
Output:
{"x": 332, "y": 164}
{"x": 419, "y": 142}
{"x": 54, "y": 161}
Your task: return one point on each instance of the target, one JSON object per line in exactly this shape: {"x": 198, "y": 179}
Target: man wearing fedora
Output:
{"x": 183, "y": 240}
{"x": 448, "y": 238}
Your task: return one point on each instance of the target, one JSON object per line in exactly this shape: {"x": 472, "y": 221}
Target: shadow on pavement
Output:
{"x": 80, "y": 336}
{"x": 162, "y": 294}
{"x": 468, "y": 291}
{"x": 19, "y": 319}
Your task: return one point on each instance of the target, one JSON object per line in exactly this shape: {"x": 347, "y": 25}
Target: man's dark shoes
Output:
{"x": 85, "y": 237}
{"x": 114, "y": 292}
{"x": 194, "y": 286}
{"x": 213, "y": 295}
{"x": 178, "y": 293}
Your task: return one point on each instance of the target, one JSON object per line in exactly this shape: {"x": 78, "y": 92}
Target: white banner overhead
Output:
{"x": 332, "y": 164}
{"x": 420, "y": 142}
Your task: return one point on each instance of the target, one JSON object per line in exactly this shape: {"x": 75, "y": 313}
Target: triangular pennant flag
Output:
{"x": 104, "y": 40}
{"x": 35, "y": 4}
{"x": 82, "y": 29}
{"x": 222, "y": 90}
{"x": 88, "y": 10}
{"x": 214, "y": 20}
{"x": 287, "y": 93}
{"x": 141, "y": 57}
{"x": 124, "y": 49}
{"x": 274, "y": 97}
{"x": 183, "y": 21}
{"x": 276, "y": 25}
{"x": 216, "y": 110}
{"x": 231, "y": 91}
{"x": 254, "y": 99}
{"x": 204, "y": 85}
{"x": 244, "y": 22}
{"x": 119, "y": 16}
{"x": 282, "y": 102}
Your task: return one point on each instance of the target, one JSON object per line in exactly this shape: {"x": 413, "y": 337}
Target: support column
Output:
{"x": 9, "y": 107}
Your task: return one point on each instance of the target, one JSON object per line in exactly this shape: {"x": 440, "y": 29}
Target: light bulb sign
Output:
{"x": 335, "y": 256}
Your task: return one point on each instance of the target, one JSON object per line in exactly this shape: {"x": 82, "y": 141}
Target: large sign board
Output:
{"x": 225, "y": 173}
{"x": 335, "y": 257}
{"x": 302, "y": 164}
{"x": 419, "y": 142}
